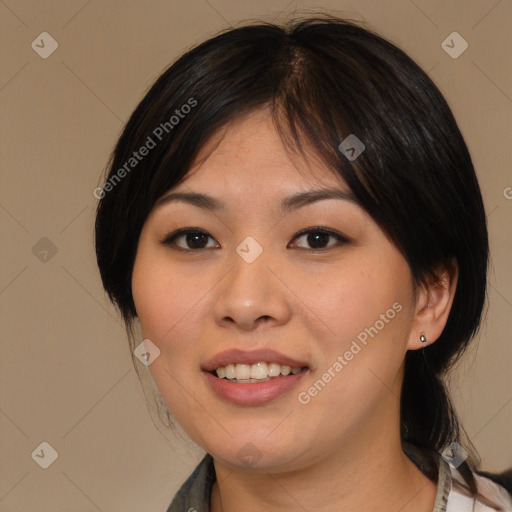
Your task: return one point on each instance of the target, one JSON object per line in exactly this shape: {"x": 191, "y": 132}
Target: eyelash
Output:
{"x": 170, "y": 239}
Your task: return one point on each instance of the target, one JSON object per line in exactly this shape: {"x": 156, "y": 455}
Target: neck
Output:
{"x": 369, "y": 472}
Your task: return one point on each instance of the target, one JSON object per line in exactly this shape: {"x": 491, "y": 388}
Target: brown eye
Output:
{"x": 318, "y": 238}
{"x": 192, "y": 239}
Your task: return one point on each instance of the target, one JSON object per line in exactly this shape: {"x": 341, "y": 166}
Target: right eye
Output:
{"x": 193, "y": 238}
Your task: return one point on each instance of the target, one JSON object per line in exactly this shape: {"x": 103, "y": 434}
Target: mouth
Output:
{"x": 253, "y": 378}
{"x": 252, "y": 374}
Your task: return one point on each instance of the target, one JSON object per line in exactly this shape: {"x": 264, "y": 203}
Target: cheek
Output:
{"x": 356, "y": 294}
{"x": 168, "y": 305}
{"x": 165, "y": 298}
{"x": 367, "y": 308}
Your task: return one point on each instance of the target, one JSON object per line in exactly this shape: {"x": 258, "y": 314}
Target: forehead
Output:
{"x": 248, "y": 155}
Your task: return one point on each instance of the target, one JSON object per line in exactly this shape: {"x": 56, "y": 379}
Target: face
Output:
{"x": 314, "y": 285}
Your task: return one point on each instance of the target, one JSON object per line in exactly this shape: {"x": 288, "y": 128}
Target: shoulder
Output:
{"x": 494, "y": 490}
{"x": 491, "y": 496}
{"x": 504, "y": 479}
{"x": 194, "y": 494}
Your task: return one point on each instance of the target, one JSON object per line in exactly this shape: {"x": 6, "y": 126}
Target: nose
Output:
{"x": 251, "y": 295}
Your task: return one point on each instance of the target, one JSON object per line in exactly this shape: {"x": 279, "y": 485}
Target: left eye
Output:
{"x": 318, "y": 237}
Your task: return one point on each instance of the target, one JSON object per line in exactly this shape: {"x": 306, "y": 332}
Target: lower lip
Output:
{"x": 257, "y": 393}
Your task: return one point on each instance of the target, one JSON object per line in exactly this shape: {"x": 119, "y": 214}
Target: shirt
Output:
{"x": 194, "y": 494}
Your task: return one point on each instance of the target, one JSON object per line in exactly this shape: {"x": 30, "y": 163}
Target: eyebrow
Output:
{"x": 288, "y": 204}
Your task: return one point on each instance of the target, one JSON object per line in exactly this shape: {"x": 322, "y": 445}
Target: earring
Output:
{"x": 423, "y": 339}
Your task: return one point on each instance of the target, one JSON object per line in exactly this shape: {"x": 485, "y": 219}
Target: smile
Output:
{"x": 258, "y": 372}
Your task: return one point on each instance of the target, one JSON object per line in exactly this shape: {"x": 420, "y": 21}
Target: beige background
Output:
{"x": 66, "y": 375}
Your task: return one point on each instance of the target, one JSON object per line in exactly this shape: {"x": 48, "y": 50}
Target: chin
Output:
{"x": 258, "y": 454}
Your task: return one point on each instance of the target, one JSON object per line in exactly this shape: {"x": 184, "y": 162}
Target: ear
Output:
{"x": 433, "y": 305}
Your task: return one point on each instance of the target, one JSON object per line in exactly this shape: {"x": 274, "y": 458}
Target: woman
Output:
{"x": 293, "y": 217}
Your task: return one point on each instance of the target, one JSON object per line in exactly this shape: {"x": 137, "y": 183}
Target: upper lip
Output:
{"x": 235, "y": 356}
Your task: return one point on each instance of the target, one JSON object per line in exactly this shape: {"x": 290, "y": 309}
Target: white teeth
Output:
{"x": 243, "y": 371}
{"x": 274, "y": 370}
{"x": 230, "y": 371}
{"x": 261, "y": 371}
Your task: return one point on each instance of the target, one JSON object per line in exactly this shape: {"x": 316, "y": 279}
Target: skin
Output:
{"x": 341, "y": 451}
